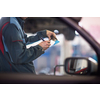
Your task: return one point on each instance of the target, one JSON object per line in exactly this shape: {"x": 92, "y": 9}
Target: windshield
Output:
{"x": 92, "y": 25}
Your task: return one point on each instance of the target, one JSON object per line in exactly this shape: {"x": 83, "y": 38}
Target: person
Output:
{"x": 13, "y": 41}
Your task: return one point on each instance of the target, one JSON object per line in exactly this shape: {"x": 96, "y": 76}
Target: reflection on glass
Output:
{"x": 77, "y": 66}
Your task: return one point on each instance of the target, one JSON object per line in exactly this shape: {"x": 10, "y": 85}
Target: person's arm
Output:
{"x": 17, "y": 48}
{"x": 37, "y": 36}
{"x": 45, "y": 33}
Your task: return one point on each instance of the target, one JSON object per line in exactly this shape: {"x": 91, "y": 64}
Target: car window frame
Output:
{"x": 86, "y": 35}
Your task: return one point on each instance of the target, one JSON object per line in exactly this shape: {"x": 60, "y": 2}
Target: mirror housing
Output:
{"x": 80, "y": 66}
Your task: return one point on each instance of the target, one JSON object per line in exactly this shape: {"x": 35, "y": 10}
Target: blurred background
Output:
{"x": 71, "y": 43}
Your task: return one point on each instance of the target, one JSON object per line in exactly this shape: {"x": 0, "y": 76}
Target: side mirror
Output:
{"x": 80, "y": 66}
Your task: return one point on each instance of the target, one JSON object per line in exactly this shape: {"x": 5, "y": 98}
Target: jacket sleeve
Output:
{"x": 36, "y": 37}
{"x": 17, "y": 49}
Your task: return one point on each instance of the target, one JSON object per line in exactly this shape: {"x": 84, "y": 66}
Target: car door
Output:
{"x": 64, "y": 78}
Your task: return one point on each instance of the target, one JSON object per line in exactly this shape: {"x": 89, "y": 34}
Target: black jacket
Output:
{"x": 19, "y": 55}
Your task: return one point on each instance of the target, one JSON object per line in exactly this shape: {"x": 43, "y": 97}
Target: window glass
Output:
{"x": 71, "y": 45}
{"x": 92, "y": 25}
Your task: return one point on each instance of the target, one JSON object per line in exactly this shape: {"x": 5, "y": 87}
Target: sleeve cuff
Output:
{"x": 42, "y": 33}
{"x": 40, "y": 48}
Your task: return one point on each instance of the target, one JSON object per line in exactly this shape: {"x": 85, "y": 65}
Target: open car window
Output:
{"x": 71, "y": 45}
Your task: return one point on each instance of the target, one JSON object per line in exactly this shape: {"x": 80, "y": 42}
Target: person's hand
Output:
{"x": 45, "y": 45}
{"x": 51, "y": 35}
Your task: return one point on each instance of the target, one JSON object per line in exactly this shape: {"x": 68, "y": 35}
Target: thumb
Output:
{"x": 49, "y": 38}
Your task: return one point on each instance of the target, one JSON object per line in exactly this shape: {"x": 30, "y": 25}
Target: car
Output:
{"x": 88, "y": 73}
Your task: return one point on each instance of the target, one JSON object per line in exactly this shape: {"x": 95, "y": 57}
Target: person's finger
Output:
{"x": 48, "y": 41}
{"x": 49, "y": 38}
{"x": 49, "y": 44}
{"x": 51, "y": 35}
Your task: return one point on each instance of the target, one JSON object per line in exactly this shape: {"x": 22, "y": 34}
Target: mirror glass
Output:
{"x": 76, "y": 66}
